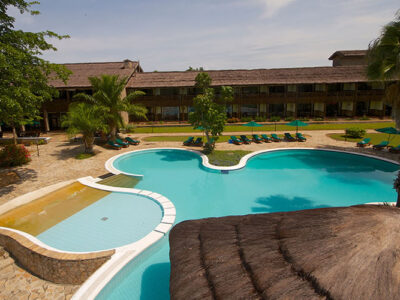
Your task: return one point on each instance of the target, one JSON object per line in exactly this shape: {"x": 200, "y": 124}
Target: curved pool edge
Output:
{"x": 124, "y": 254}
{"x": 117, "y": 257}
{"x": 109, "y": 165}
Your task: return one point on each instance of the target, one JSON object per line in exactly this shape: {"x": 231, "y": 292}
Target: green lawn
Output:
{"x": 376, "y": 138}
{"x": 237, "y": 128}
{"x": 226, "y": 158}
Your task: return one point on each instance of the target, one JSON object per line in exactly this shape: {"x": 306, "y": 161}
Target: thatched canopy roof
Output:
{"x": 348, "y": 53}
{"x": 329, "y": 253}
{"x": 82, "y": 71}
{"x": 311, "y": 75}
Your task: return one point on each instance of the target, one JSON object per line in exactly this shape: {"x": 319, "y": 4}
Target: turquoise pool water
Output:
{"x": 115, "y": 220}
{"x": 275, "y": 181}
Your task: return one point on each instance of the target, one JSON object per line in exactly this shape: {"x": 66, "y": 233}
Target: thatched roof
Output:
{"x": 81, "y": 72}
{"x": 329, "y": 253}
{"x": 348, "y": 53}
{"x": 252, "y": 77}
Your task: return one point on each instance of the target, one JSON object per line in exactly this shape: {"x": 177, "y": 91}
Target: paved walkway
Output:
{"x": 16, "y": 283}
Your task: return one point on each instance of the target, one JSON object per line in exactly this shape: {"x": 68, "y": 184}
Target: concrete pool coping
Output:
{"x": 117, "y": 257}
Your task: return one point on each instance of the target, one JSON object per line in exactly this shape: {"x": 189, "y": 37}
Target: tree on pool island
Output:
{"x": 108, "y": 94}
{"x": 384, "y": 64}
{"x": 210, "y": 109}
{"x": 84, "y": 118}
{"x": 24, "y": 75}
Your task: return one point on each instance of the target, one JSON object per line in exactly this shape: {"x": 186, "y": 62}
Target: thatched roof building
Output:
{"x": 330, "y": 253}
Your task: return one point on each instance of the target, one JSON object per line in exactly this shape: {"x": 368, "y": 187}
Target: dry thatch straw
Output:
{"x": 329, "y": 253}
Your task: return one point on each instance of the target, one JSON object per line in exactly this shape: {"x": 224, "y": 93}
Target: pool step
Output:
{"x": 120, "y": 180}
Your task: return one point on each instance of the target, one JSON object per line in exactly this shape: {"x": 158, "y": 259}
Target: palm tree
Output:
{"x": 108, "y": 94}
{"x": 84, "y": 118}
{"x": 384, "y": 64}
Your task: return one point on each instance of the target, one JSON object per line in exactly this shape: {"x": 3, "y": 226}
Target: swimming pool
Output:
{"x": 283, "y": 180}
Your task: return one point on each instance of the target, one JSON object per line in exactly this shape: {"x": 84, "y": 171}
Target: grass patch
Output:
{"x": 237, "y": 128}
{"x": 376, "y": 138}
{"x": 226, "y": 158}
{"x": 84, "y": 155}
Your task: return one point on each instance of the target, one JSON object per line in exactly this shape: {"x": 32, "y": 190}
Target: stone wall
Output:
{"x": 57, "y": 267}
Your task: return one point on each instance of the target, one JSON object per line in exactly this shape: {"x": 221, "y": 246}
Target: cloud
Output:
{"x": 271, "y": 7}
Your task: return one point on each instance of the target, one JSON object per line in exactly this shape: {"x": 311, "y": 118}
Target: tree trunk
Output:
{"x": 398, "y": 199}
{"x": 14, "y": 135}
{"x": 88, "y": 142}
{"x": 207, "y": 136}
{"x": 113, "y": 132}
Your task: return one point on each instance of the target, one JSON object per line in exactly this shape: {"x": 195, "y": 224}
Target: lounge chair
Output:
{"x": 364, "y": 142}
{"x": 189, "y": 141}
{"x": 266, "y": 138}
{"x": 114, "y": 145}
{"x": 289, "y": 137}
{"x": 275, "y": 138}
{"x": 394, "y": 149}
{"x": 198, "y": 142}
{"x": 245, "y": 139}
{"x": 122, "y": 143}
{"x": 381, "y": 145}
{"x": 256, "y": 139}
{"x": 300, "y": 137}
{"x": 235, "y": 140}
{"x": 132, "y": 141}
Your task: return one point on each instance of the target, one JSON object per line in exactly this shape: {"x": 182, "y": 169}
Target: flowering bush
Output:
{"x": 14, "y": 155}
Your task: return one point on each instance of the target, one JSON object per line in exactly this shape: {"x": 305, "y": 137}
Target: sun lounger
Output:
{"x": 189, "y": 141}
{"x": 364, "y": 142}
{"x": 300, "y": 137}
{"x": 122, "y": 143}
{"x": 198, "y": 142}
{"x": 235, "y": 140}
{"x": 114, "y": 145}
{"x": 132, "y": 141}
{"x": 245, "y": 139}
{"x": 256, "y": 139}
{"x": 275, "y": 138}
{"x": 381, "y": 145}
{"x": 394, "y": 149}
{"x": 266, "y": 138}
{"x": 289, "y": 137}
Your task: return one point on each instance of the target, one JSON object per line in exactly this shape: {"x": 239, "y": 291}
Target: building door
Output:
{"x": 361, "y": 108}
{"x": 332, "y": 109}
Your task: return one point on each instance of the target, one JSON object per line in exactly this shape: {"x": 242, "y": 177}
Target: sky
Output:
{"x": 171, "y": 35}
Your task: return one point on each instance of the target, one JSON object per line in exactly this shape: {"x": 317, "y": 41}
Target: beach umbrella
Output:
{"x": 389, "y": 131}
{"x": 298, "y": 124}
{"x": 252, "y": 124}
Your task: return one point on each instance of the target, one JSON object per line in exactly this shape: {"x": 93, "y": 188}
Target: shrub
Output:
{"x": 289, "y": 119}
{"x": 233, "y": 120}
{"x": 319, "y": 119}
{"x": 275, "y": 119}
{"x": 355, "y": 132}
{"x": 260, "y": 119}
{"x": 304, "y": 119}
{"x": 364, "y": 118}
{"x": 247, "y": 119}
{"x": 130, "y": 128}
{"x": 14, "y": 155}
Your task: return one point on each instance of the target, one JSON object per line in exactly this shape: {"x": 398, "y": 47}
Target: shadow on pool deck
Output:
{"x": 155, "y": 282}
{"x": 278, "y": 203}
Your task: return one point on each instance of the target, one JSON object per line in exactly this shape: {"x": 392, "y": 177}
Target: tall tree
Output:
{"x": 24, "y": 75}
{"x": 209, "y": 109}
{"x": 84, "y": 118}
{"x": 108, "y": 94}
{"x": 384, "y": 64}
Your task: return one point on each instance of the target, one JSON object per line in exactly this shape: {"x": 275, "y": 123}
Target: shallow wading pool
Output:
{"x": 274, "y": 181}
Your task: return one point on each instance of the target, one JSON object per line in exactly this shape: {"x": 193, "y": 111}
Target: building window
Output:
{"x": 363, "y": 86}
{"x": 291, "y": 88}
{"x": 335, "y": 87}
{"x": 276, "y": 109}
{"x": 169, "y": 91}
{"x": 320, "y": 87}
{"x": 170, "y": 112}
{"x": 277, "y": 89}
{"x": 148, "y": 92}
{"x": 249, "y": 110}
{"x": 250, "y": 90}
{"x": 306, "y": 88}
